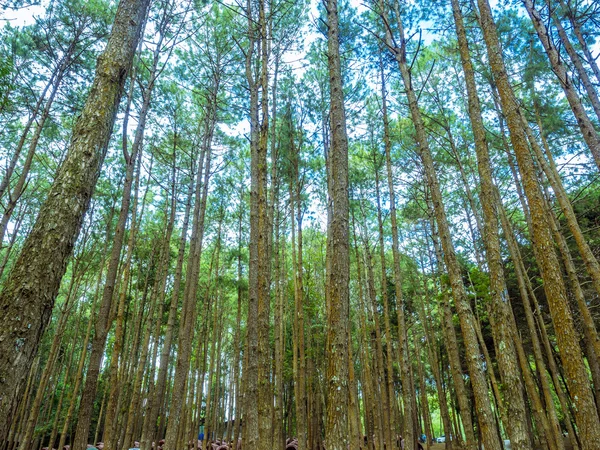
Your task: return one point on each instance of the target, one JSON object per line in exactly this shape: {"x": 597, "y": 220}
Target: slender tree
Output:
{"x": 337, "y": 294}
{"x": 28, "y": 294}
{"x": 586, "y": 414}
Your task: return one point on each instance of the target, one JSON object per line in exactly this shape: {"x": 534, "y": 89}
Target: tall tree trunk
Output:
{"x": 254, "y": 387}
{"x": 500, "y": 312}
{"x": 263, "y": 247}
{"x": 402, "y": 334}
{"x": 386, "y": 319}
{"x": 279, "y": 344}
{"x": 29, "y": 292}
{"x": 338, "y": 273}
{"x": 586, "y": 414}
{"x": 555, "y": 430}
{"x": 485, "y": 415}
{"x": 298, "y": 322}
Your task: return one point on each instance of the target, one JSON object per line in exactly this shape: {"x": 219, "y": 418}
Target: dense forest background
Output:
{"x": 358, "y": 225}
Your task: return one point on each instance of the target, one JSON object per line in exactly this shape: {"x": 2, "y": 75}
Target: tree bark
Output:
{"x": 586, "y": 414}
{"x": 338, "y": 266}
{"x": 253, "y": 372}
{"x": 500, "y": 312}
{"x": 263, "y": 247}
{"x": 29, "y": 292}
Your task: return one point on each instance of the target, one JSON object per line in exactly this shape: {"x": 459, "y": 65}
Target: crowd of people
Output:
{"x": 100, "y": 446}
{"x": 217, "y": 444}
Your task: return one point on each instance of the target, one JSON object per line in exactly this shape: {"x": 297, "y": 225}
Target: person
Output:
{"x": 136, "y": 444}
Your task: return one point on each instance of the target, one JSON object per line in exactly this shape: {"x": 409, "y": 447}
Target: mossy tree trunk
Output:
{"x": 338, "y": 258}
{"x": 29, "y": 292}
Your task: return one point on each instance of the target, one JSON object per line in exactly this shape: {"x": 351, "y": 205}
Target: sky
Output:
{"x": 23, "y": 16}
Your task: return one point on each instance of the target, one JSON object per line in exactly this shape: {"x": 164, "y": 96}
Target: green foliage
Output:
{"x": 202, "y": 69}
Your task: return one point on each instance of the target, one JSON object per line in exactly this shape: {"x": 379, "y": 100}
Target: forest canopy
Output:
{"x": 299, "y": 224}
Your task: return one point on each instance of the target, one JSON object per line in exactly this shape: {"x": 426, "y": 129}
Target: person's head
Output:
{"x": 100, "y": 445}
{"x": 136, "y": 444}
